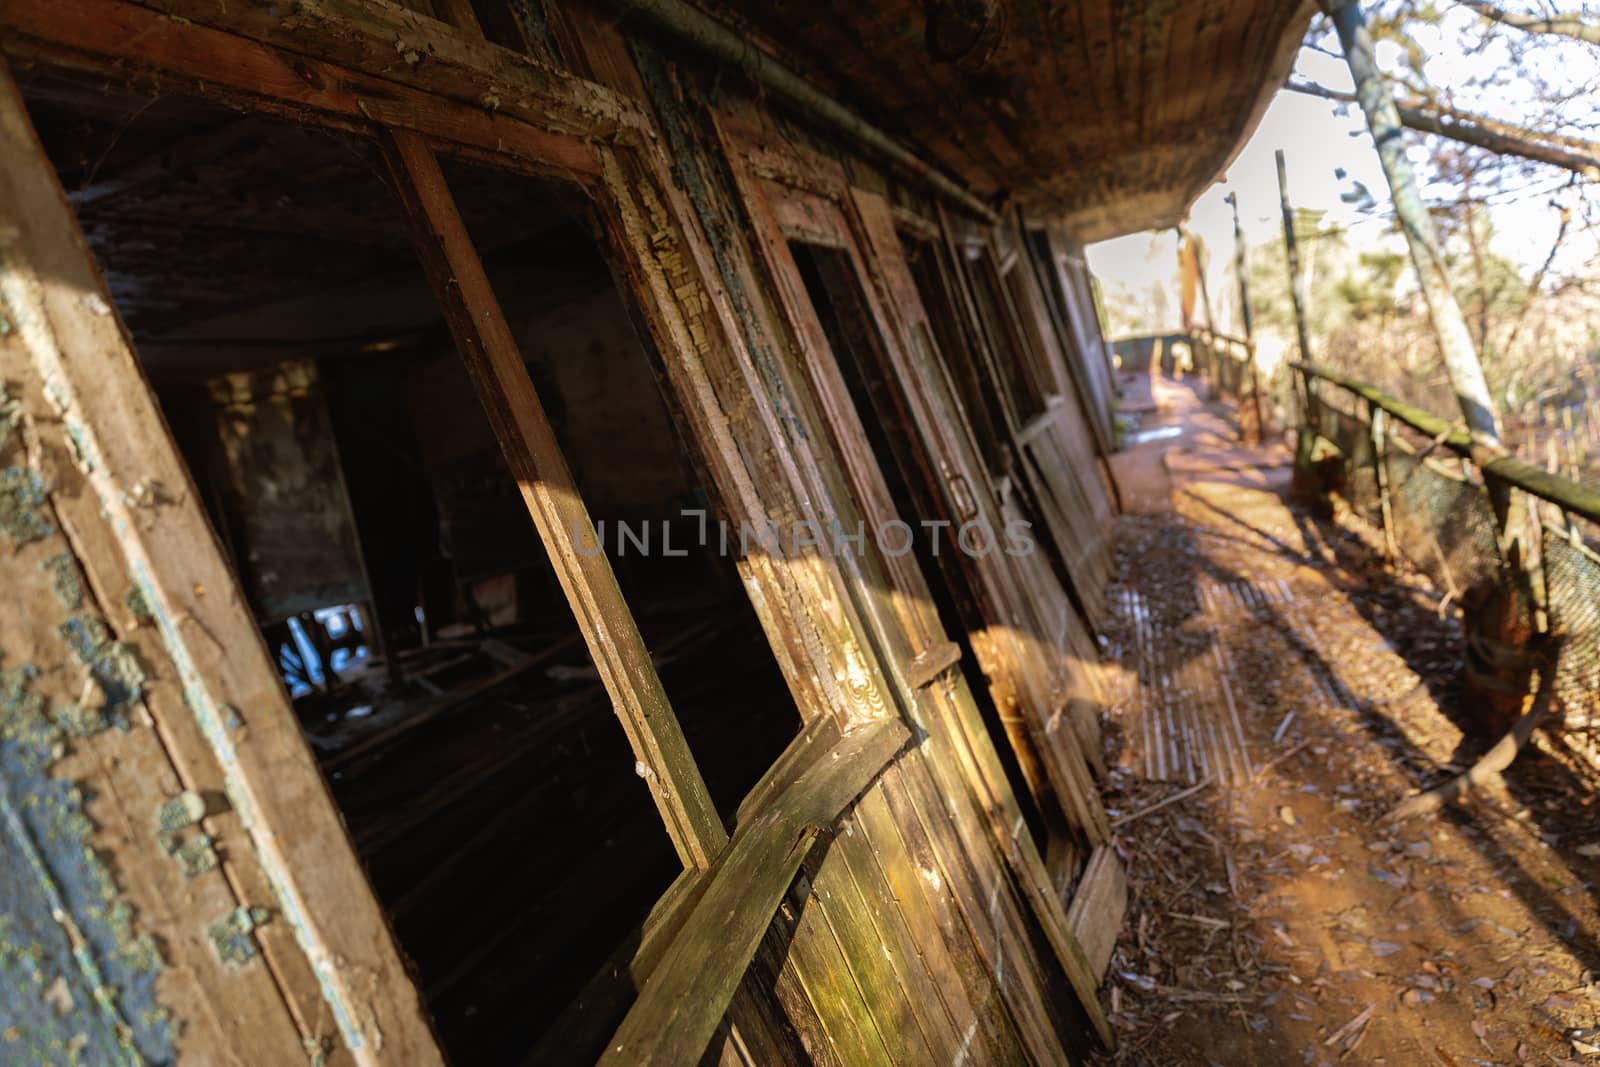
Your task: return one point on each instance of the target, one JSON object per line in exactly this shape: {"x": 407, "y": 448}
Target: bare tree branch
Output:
{"x": 1580, "y": 157}
{"x": 1560, "y": 25}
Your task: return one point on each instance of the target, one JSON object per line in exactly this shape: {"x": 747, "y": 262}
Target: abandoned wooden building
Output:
{"x": 555, "y": 531}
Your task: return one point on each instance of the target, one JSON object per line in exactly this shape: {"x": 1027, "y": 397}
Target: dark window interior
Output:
{"x": 961, "y": 359}
{"x": 1014, "y": 366}
{"x": 840, "y": 304}
{"x": 280, "y": 313}
{"x": 1038, "y": 246}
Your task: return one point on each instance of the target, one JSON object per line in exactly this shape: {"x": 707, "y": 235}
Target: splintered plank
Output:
{"x": 1097, "y": 908}
{"x": 687, "y": 994}
{"x": 494, "y": 362}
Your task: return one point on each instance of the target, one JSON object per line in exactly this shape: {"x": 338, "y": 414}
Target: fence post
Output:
{"x": 1297, "y": 285}
{"x": 1379, "y": 422}
{"x": 1305, "y": 441}
{"x": 1232, "y": 200}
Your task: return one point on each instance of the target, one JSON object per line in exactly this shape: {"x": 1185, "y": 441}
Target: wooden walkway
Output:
{"x": 1275, "y": 689}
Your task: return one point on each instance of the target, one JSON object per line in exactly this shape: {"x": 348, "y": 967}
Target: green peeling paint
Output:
{"x": 709, "y": 187}
{"x": 80, "y": 448}
{"x": 233, "y": 936}
{"x": 75, "y": 720}
{"x": 18, "y": 705}
{"x": 137, "y": 604}
{"x": 185, "y": 809}
{"x": 22, "y": 502}
{"x": 77, "y": 984}
{"x": 65, "y": 579}
{"x": 530, "y": 14}
{"x": 196, "y": 856}
{"x": 218, "y": 721}
{"x": 112, "y": 663}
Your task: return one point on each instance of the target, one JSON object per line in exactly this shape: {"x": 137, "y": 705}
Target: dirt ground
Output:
{"x": 1277, "y": 919}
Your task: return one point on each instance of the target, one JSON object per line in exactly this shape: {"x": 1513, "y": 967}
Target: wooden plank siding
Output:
{"x": 879, "y": 898}
{"x": 824, "y": 221}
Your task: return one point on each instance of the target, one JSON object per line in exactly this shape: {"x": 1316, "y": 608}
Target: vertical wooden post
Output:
{"x": 1297, "y": 290}
{"x": 1305, "y": 441}
{"x": 1245, "y": 318}
{"x": 494, "y": 362}
{"x": 1379, "y": 421}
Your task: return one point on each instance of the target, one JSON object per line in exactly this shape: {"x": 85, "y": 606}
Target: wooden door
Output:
{"x": 1056, "y": 462}
{"x": 808, "y": 222}
{"x": 914, "y": 416}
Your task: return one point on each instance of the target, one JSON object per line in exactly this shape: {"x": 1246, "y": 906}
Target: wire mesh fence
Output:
{"x": 1432, "y": 504}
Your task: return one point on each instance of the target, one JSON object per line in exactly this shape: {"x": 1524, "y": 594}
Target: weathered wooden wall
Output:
{"x": 880, "y": 897}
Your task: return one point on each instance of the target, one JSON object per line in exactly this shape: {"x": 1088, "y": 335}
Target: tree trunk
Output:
{"x": 1459, "y": 354}
{"x": 1449, "y": 325}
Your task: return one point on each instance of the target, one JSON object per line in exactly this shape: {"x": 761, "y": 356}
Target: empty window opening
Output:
{"x": 358, "y": 489}
{"x": 979, "y": 401}
{"x": 908, "y": 471}
{"x": 1023, "y": 387}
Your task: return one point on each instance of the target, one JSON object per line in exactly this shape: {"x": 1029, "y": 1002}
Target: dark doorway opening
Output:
{"x": 909, "y": 472}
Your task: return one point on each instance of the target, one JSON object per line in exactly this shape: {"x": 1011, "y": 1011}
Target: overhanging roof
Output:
{"x": 1109, "y": 115}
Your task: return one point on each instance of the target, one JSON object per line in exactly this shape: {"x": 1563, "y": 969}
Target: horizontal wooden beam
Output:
{"x": 1575, "y": 497}
{"x": 689, "y": 991}
{"x": 115, "y": 39}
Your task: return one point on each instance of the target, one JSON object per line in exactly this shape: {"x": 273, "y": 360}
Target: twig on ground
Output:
{"x": 1123, "y": 820}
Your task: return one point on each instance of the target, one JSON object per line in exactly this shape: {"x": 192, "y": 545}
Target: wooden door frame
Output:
{"x": 760, "y": 159}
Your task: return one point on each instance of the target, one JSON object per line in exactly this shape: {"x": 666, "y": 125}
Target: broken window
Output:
{"x": 268, "y": 277}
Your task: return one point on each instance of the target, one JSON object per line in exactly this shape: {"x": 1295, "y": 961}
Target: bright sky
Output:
{"x": 1318, "y": 141}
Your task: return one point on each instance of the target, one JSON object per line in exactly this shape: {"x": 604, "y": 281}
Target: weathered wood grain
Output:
{"x": 289, "y": 72}
{"x": 58, "y": 302}
{"x": 679, "y": 1007}
{"x": 1095, "y": 915}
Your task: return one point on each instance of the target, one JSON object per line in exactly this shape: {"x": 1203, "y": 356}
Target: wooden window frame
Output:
{"x": 555, "y": 126}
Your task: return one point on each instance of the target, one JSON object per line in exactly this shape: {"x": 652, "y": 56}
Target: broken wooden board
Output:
{"x": 1095, "y": 915}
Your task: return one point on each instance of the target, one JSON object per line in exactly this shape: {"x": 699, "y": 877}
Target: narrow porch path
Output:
{"x": 1276, "y": 688}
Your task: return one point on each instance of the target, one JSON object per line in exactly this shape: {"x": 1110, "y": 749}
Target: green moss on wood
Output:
{"x": 66, "y": 580}
{"x": 233, "y": 936}
{"x": 1563, "y": 492}
{"x": 23, "y": 502}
